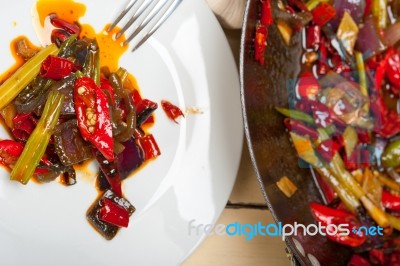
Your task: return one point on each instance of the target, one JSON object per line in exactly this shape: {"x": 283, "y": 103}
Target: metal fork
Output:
{"x": 145, "y": 12}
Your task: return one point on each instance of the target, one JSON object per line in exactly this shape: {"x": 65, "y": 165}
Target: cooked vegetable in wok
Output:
{"x": 344, "y": 120}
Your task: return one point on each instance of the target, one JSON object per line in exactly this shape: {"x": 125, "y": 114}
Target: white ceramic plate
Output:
{"x": 188, "y": 62}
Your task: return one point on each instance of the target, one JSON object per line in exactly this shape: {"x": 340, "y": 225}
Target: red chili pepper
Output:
{"x": 93, "y": 114}
{"x": 308, "y": 86}
{"x": 106, "y": 85}
{"x": 59, "y": 36}
{"x": 60, "y": 23}
{"x": 144, "y": 110}
{"x": 326, "y": 216}
{"x": 377, "y": 257}
{"x": 326, "y": 188}
{"x": 299, "y": 4}
{"x": 368, "y": 7}
{"x": 313, "y": 38}
{"x": 324, "y": 116}
{"x": 390, "y": 201}
{"x": 328, "y": 148}
{"x": 300, "y": 128}
{"x": 390, "y": 125}
{"x": 266, "y": 13}
{"x": 56, "y": 68}
{"x": 172, "y": 111}
{"x": 149, "y": 146}
{"x": 393, "y": 69}
{"x": 357, "y": 260}
{"x": 381, "y": 68}
{"x": 112, "y": 213}
{"x": 24, "y": 124}
{"x": 10, "y": 151}
{"x": 260, "y": 43}
{"x": 136, "y": 97}
{"x": 323, "y": 13}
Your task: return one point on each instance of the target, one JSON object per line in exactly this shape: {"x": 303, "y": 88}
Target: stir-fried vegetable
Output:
{"x": 62, "y": 109}
{"x": 24, "y": 75}
{"x": 344, "y": 120}
{"x": 38, "y": 140}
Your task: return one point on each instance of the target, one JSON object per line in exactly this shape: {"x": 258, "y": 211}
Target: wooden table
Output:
{"x": 246, "y": 205}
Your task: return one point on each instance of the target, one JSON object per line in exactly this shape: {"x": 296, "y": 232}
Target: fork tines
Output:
{"x": 145, "y": 17}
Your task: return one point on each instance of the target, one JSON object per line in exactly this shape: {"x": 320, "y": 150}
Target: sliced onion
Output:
{"x": 392, "y": 34}
{"x": 130, "y": 158}
{"x": 369, "y": 41}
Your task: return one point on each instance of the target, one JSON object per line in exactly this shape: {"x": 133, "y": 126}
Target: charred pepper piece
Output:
{"x": 106, "y": 229}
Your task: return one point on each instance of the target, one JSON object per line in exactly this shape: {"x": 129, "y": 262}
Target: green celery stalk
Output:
{"x": 306, "y": 152}
{"x": 39, "y": 139}
{"x": 24, "y": 75}
{"x": 348, "y": 180}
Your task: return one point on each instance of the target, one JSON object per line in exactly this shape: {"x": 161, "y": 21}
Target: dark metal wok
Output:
{"x": 262, "y": 88}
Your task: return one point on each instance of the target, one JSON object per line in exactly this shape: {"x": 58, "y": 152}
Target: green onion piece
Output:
{"x": 314, "y": 3}
{"x": 39, "y": 139}
{"x": 24, "y": 75}
{"x": 296, "y": 114}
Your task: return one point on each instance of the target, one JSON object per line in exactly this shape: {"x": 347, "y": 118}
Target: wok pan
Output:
{"x": 263, "y": 87}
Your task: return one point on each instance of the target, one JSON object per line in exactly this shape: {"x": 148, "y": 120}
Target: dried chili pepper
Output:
{"x": 260, "y": 43}
{"x": 10, "y": 150}
{"x": 24, "y": 124}
{"x": 327, "y": 216}
{"x": 308, "y": 86}
{"x": 300, "y": 128}
{"x": 93, "y": 114}
{"x": 172, "y": 111}
{"x": 60, "y": 23}
{"x": 357, "y": 260}
{"x": 323, "y": 13}
{"x": 144, "y": 110}
{"x": 390, "y": 201}
{"x": 56, "y": 68}
{"x": 328, "y": 148}
{"x": 149, "y": 146}
{"x": 313, "y": 38}
{"x": 266, "y": 13}
{"x": 393, "y": 69}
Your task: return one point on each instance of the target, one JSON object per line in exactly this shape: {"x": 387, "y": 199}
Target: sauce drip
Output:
{"x": 110, "y": 49}
{"x": 19, "y": 60}
{"x": 68, "y": 10}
